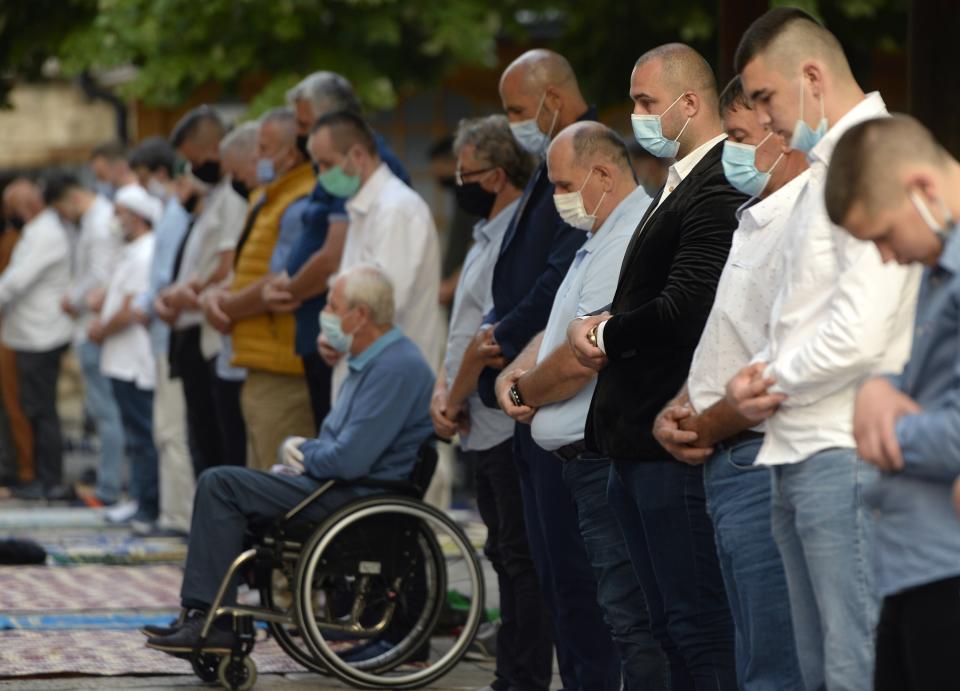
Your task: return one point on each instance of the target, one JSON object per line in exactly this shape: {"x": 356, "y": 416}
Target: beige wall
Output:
{"x": 52, "y": 123}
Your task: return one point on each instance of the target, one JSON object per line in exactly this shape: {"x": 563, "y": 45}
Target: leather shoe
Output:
{"x": 185, "y": 639}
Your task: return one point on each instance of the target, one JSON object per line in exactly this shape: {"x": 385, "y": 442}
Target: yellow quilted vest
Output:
{"x": 266, "y": 341}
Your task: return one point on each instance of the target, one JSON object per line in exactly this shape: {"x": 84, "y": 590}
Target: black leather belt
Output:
{"x": 570, "y": 452}
{"x": 740, "y": 438}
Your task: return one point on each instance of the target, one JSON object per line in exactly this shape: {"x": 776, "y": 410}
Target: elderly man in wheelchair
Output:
{"x": 353, "y": 569}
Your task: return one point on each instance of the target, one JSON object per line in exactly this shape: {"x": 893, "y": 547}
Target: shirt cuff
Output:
{"x": 600, "y": 337}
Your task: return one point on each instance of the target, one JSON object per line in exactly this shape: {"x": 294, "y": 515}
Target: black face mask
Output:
{"x": 208, "y": 172}
{"x": 475, "y": 200}
{"x": 16, "y": 222}
{"x": 191, "y": 204}
{"x": 302, "y": 145}
{"x": 240, "y": 188}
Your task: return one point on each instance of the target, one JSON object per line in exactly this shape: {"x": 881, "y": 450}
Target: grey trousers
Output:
{"x": 228, "y": 500}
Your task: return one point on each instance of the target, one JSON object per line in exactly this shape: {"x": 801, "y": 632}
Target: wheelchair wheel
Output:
{"x": 274, "y": 595}
{"x": 371, "y": 584}
{"x": 237, "y": 673}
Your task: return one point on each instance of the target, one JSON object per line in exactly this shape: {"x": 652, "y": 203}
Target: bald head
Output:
{"x": 681, "y": 68}
{"x": 591, "y": 158}
{"x": 22, "y": 200}
{"x": 542, "y": 86}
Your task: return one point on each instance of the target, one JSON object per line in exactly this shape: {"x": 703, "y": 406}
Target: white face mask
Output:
{"x": 573, "y": 212}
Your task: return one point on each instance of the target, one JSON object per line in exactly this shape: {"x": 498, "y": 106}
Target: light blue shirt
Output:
{"x": 588, "y": 286}
{"x": 291, "y": 228}
{"x": 380, "y": 418}
{"x": 473, "y": 299}
{"x": 168, "y": 236}
{"x": 917, "y": 530}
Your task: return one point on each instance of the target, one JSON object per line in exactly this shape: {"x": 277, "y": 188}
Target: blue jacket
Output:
{"x": 536, "y": 252}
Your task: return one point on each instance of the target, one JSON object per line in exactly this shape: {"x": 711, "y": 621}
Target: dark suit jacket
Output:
{"x": 536, "y": 252}
{"x": 667, "y": 284}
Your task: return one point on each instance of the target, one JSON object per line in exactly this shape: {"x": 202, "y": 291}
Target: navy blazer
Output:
{"x": 536, "y": 252}
{"x": 667, "y": 284}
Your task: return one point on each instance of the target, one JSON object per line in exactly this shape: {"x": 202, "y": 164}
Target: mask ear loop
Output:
{"x": 775, "y": 163}
{"x": 679, "y": 134}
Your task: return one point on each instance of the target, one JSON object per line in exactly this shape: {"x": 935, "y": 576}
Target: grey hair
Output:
{"x": 241, "y": 139}
{"x": 283, "y": 118}
{"x": 495, "y": 144}
{"x": 326, "y": 92}
{"x": 368, "y": 284}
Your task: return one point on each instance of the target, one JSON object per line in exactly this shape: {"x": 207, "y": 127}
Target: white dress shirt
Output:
{"x": 590, "y": 283}
{"x": 216, "y": 230}
{"x": 840, "y": 316}
{"x": 33, "y": 285}
{"x": 391, "y": 226}
{"x": 473, "y": 300}
{"x": 126, "y": 355}
{"x": 98, "y": 248}
{"x": 739, "y": 321}
{"x": 676, "y": 174}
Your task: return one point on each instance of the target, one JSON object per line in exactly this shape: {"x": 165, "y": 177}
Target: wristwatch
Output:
{"x": 515, "y": 396}
{"x": 592, "y": 336}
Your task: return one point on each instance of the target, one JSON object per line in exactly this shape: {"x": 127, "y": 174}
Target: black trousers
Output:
{"x": 917, "y": 637}
{"x": 318, "y": 376}
{"x": 525, "y": 640}
{"x": 187, "y": 363}
{"x": 37, "y": 374}
{"x": 233, "y": 429}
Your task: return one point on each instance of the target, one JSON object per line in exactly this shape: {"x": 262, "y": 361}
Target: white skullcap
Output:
{"x": 140, "y": 202}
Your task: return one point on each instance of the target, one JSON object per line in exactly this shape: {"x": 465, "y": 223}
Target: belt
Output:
{"x": 739, "y": 438}
{"x": 570, "y": 452}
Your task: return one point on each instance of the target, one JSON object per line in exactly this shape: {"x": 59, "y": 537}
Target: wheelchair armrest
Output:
{"x": 400, "y": 486}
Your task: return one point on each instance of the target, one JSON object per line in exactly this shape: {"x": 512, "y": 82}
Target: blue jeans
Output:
{"x": 738, "y": 501}
{"x": 670, "y": 539}
{"x": 824, "y": 531}
{"x": 102, "y": 407}
{"x": 136, "y": 411}
{"x": 642, "y": 663}
{"x": 585, "y": 654}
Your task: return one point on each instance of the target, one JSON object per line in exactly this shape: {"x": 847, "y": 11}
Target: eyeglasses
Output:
{"x": 460, "y": 175}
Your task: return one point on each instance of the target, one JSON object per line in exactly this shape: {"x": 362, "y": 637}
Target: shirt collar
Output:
{"x": 361, "y": 203}
{"x": 493, "y": 229}
{"x": 626, "y": 205}
{"x": 950, "y": 257}
{"x": 358, "y": 362}
{"x": 682, "y": 168}
{"x": 870, "y": 107}
{"x": 762, "y": 211}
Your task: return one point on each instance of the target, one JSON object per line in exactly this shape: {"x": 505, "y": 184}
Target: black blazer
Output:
{"x": 666, "y": 288}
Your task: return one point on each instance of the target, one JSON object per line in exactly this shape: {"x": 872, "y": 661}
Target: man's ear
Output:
{"x": 690, "y": 103}
{"x": 553, "y": 100}
{"x": 813, "y": 73}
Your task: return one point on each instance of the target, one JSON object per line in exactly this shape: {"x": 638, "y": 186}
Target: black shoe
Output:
{"x": 60, "y": 493}
{"x": 154, "y": 631}
{"x": 32, "y": 491}
{"x": 185, "y": 639}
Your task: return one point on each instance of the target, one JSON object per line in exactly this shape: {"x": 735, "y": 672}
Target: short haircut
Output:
{"x": 369, "y": 285}
{"x": 494, "y": 143}
{"x": 599, "y": 141}
{"x": 733, "y": 98}
{"x": 865, "y": 162}
{"x": 326, "y": 92}
{"x": 154, "y": 153}
{"x": 774, "y": 24}
{"x": 112, "y": 151}
{"x": 57, "y": 186}
{"x": 346, "y": 129}
{"x": 191, "y": 123}
{"x": 242, "y": 139}
{"x": 682, "y": 66}
{"x": 284, "y": 117}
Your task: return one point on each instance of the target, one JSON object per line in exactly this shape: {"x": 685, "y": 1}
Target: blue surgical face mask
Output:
{"x": 266, "y": 172}
{"x": 740, "y": 167}
{"x": 805, "y": 137}
{"x": 528, "y": 133}
{"x": 648, "y": 131}
{"x": 941, "y": 231}
{"x": 332, "y": 330}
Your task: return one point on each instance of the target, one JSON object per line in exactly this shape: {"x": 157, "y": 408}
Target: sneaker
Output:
{"x": 185, "y": 638}
{"x": 122, "y": 512}
{"x": 142, "y": 527}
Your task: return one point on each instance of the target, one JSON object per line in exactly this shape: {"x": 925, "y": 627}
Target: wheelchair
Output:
{"x": 359, "y": 596}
